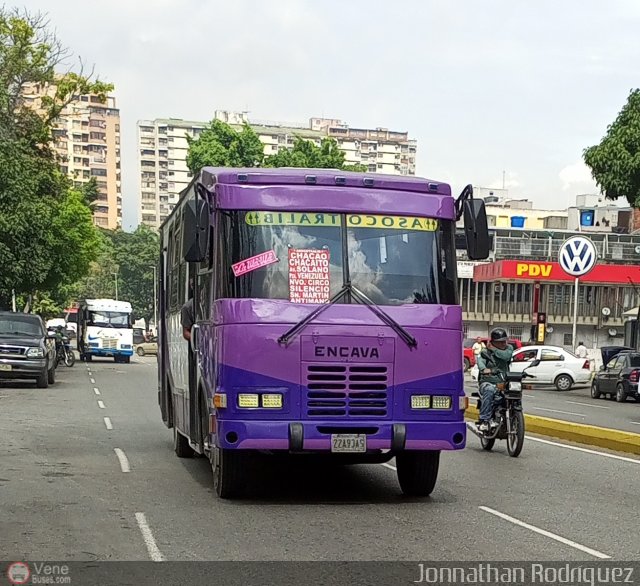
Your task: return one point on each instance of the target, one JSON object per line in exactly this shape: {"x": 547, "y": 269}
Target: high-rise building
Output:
{"x": 163, "y": 147}
{"x": 87, "y": 140}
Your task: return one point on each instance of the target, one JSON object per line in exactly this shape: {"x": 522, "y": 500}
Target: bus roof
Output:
{"x": 326, "y": 177}
{"x": 107, "y": 305}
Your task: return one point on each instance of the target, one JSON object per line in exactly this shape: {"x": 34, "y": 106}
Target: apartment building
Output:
{"x": 163, "y": 146}
{"x": 87, "y": 140}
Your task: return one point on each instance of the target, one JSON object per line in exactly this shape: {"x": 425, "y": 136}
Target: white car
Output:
{"x": 557, "y": 366}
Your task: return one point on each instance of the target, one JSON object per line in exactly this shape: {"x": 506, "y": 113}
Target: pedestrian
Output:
{"x": 581, "y": 350}
{"x": 478, "y": 347}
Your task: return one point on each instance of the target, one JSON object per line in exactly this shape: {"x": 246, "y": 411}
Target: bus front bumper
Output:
{"x": 317, "y": 436}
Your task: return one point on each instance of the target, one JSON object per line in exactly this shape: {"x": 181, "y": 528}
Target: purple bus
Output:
{"x": 326, "y": 320}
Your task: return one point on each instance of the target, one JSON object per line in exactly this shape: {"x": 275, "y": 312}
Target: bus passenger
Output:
{"x": 187, "y": 317}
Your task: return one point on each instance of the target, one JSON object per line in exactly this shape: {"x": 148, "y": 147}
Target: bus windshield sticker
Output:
{"x": 255, "y": 262}
{"x": 353, "y": 220}
{"x": 309, "y": 276}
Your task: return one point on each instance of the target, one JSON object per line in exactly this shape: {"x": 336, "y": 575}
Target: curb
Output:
{"x": 610, "y": 439}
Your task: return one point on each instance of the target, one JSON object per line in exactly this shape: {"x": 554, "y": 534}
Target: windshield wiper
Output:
{"x": 350, "y": 290}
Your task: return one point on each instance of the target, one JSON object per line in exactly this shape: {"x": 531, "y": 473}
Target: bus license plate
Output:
{"x": 344, "y": 442}
{"x": 5, "y": 367}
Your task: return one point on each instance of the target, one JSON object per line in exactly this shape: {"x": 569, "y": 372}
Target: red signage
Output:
{"x": 308, "y": 276}
{"x": 521, "y": 270}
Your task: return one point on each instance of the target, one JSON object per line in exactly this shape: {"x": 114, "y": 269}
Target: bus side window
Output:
{"x": 205, "y": 283}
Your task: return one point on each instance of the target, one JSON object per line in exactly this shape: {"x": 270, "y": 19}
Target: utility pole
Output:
{"x": 116, "y": 276}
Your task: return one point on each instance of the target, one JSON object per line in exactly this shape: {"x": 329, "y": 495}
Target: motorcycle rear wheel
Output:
{"x": 515, "y": 440}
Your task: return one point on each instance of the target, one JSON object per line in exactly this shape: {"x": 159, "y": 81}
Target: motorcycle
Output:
{"x": 64, "y": 353}
{"x": 508, "y": 414}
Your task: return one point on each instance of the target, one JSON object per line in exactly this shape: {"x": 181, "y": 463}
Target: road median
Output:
{"x": 611, "y": 439}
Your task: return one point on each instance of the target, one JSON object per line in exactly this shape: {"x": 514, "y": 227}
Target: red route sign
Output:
{"x": 309, "y": 276}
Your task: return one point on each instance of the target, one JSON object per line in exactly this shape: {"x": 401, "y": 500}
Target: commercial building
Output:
{"x": 523, "y": 266}
{"x": 87, "y": 140}
{"x": 163, "y": 147}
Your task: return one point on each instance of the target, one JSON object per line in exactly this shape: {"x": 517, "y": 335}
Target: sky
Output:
{"x": 490, "y": 90}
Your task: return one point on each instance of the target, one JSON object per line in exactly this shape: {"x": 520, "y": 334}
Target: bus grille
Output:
{"x": 110, "y": 343}
{"x": 347, "y": 390}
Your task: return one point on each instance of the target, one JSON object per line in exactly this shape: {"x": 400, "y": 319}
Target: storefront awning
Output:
{"x": 523, "y": 270}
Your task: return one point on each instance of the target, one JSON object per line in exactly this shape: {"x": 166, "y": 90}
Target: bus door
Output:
{"x": 164, "y": 393}
{"x": 192, "y": 400}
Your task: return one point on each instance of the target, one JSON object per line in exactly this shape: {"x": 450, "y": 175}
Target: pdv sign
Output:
{"x": 577, "y": 256}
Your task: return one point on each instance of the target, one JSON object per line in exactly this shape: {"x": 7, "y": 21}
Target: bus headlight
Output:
{"x": 440, "y": 402}
{"x": 272, "y": 401}
{"x": 248, "y": 401}
{"x": 420, "y": 401}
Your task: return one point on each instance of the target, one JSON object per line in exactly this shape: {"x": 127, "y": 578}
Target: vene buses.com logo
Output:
{"x": 18, "y": 573}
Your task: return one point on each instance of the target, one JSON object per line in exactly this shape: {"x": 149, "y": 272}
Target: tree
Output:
{"x": 305, "y": 153}
{"x": 131, "y": 256}
{"x": 220, "y": 145}
{"x": 47, "y": 238}
{"x": 615, "y": 162}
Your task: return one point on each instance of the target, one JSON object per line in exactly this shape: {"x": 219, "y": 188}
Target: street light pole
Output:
{"x": 116, "y": 276}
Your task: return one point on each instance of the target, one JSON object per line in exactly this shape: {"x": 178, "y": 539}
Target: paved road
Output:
{"x": 577, "y": 406}
{"x": 64, "y": 494}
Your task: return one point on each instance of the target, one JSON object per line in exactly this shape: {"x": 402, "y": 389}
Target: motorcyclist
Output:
{"x": 493, "y": 364}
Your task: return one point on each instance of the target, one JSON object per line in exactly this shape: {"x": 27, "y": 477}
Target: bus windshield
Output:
{"x": 393, "y": 260}
{"x": 114, "y": 319}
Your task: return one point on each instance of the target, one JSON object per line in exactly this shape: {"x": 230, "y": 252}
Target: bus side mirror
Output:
{"x": 195, "y": 230}
{"x": 476, "y": 229}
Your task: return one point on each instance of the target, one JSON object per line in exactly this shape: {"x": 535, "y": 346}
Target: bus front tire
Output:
{"x": 418, "y": 472}
{"x": 228, "y": 467}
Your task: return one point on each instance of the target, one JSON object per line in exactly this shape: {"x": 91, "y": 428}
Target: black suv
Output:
{"x": 26, "y": 350}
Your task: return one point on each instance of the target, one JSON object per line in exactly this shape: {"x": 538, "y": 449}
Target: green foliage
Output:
{"x": 132, "y": 256}
{"x": 615, "y": 162}
{"x": 220, "y": 145}
{"x": 307, "y": 154}
{"x": 47, "y": 237}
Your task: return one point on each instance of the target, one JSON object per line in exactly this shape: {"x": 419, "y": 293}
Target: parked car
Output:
{"x": 619, "y": 374}
{"x": 27, "y": 351}
{"x": 470, "y": 358}
{"x": 150, "y": 347}
{"x": 557, "y": 366}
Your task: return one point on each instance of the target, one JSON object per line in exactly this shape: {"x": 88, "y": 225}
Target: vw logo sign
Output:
{"x": 578, "y": 255}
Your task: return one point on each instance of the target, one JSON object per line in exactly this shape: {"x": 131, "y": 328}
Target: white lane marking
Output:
{"x": 530, "y": 396}
{"x": 108, "y": 423}
{"x": 149, "y": 541}
{"x": 585, "y": 450}
{"x": 635, "y": 422}
{"x": 96, "y": 390}
{"x": 93, "y": 382}
{"x": 557, "y": 411}
{"x": 584, "y": 548}
{"x": 101, "y": 404}
{"x": 389, "y": 466}
{"x": 588, "y": 405}
{"x": 124, "y": 461}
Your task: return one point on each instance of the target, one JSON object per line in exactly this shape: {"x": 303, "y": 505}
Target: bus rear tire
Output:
{"x": 229, "y": 467}
{"x": 418, "y": 472}
{"x": 181, "y": 445}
